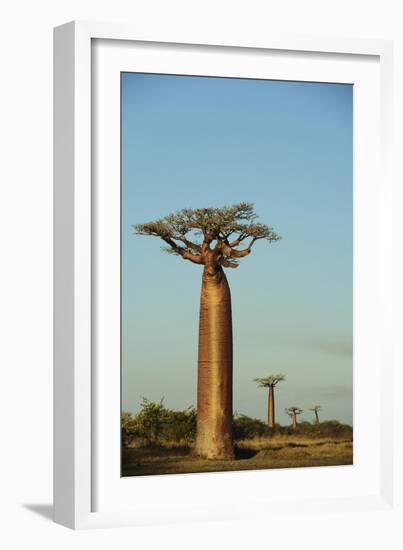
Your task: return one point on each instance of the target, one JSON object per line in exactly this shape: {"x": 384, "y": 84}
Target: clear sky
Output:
{"x": 285, "y": 146}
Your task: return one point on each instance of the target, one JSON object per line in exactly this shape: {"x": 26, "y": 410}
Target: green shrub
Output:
{"x": 128, "y": 426}
{"x": 179, "y": 425}
{"x": 157, "y": 425}
{"x": 245, "y": 427}
{"x": 328, "y": 428}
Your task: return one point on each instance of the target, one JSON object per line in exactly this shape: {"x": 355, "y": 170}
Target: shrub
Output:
{"x": 245, "y": 427}
{"x": 155, "y": 424}
{"x": 179, "y": 425}
{"x": 128, "y": 427}
{"x": 328, "y": 428}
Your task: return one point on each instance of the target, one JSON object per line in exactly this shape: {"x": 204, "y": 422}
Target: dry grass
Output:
{"x": 278, "y": 451}
{"x": 277, "y": 442}
{"x": 143, "y": 444}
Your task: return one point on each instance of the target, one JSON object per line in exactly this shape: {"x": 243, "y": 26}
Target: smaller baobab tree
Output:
{"x": 293, "y": 412}
{"x": 270, "y": 382}
{"x": 316, "y": 410}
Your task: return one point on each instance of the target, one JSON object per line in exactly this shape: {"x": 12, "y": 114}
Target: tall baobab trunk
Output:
{"x": 228, "y": 227}
{"x": 316, "y": 417}
{"x": 214, "y": 390}
{"x": 270, "y": 416}
{"x": 294, "y": 421}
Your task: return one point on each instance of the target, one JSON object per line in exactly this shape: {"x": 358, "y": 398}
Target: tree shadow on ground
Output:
{"x": 244, "y": 454}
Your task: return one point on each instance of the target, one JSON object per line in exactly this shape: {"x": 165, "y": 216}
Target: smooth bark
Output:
{"x": 214, "y": 389}
{"x": 270, "y": 415}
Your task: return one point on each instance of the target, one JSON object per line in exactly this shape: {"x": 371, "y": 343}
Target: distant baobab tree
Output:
{"x": 293, "y": 412}
{"x": 270, "y": 382}
{"x": 316, "y": 410}
{"x": 219, "y": 232}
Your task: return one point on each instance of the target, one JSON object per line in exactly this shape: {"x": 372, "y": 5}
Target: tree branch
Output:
{"x": 238, "y": 240}
{"x": 269, "y": 381}
{"x": 227, "y": 263}
{"x": 212, "y": 224}
{"x": 232, "y": 252}
{"x": 195, "y": 258}
{"x": 239, "y": 253}
{"x": 190, "y": 244}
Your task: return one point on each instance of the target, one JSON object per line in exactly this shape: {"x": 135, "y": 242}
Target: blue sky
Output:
{"x": 285, "y": 146}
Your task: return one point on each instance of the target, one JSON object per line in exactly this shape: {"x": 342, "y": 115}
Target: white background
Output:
{"x": 26, "y": 269}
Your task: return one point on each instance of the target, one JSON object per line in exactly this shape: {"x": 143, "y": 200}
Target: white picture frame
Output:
{"x": 77, "y": 390}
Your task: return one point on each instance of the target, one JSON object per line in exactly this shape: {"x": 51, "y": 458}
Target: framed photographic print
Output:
{"x": 222, "y": 275}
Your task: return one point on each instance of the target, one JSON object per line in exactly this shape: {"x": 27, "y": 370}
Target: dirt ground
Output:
{"x": 252, "y": 454}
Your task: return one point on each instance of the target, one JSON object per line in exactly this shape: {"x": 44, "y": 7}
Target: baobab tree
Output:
{"x": 316, "y": 410}
{"x": 293, "y": 412}
{"x": 211, "y": 237}
{"x": 270, "y": 382}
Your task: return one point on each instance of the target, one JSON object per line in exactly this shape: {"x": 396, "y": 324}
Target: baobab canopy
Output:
{"x": 270, "y": 380}
{"x": 186, "y": 230}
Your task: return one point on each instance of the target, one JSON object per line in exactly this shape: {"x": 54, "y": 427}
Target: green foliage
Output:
{"x": 245, "y": 427}
{"x": 128, "y": 428}
{"x": 329, "y": 428}
{"x": 155, "y": 424}
{"x": 249, "y": 428}
{"x": 179, "y": 426}
{"x": 150, "y": 419}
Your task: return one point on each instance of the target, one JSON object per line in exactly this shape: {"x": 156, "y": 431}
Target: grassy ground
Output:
{"x": 279, "y": 451}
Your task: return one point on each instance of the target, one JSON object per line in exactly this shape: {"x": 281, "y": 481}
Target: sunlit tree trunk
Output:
{"x": 270, "y": 415}
{"x": 228, "y": 227}
{"x": 294, "y": 421}
{"x": 214, "y": 390}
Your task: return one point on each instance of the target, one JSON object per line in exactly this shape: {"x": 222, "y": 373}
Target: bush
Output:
{"x": 245, "y": 427}
{"x": 155, "y": 424}
{"x": 328, "y": 428}
{"x": 332, "y": 428}
{"x": 128, "y": 427}
{"x": 179, "y": 425}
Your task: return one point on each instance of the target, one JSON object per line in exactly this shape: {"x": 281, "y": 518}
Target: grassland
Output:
{"x": 276, "y": 451}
